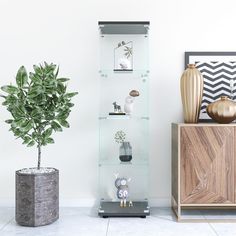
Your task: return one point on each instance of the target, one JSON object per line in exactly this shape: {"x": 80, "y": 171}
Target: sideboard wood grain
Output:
{"x": 203, "y": 166}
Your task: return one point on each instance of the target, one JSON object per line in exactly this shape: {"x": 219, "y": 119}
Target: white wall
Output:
{"x": 66, "y": 32}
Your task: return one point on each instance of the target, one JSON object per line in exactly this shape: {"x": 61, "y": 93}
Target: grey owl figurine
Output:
{"x": 122, "y": 190}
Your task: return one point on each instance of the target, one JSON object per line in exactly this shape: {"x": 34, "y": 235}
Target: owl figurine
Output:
{"x": 122, "y": 190}
{"x": 129, "y": 105}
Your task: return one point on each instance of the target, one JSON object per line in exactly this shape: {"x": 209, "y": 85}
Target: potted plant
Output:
{"x": 39, "y": 105}
{"x": 125, "y": 147}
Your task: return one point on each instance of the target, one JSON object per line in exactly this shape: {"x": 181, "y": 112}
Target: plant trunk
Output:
{"x": 39, "y": 156}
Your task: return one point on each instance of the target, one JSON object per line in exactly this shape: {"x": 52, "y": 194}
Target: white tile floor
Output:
{"x": 85, "y": 222}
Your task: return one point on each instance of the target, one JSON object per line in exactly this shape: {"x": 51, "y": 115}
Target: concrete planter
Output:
{"x": 37, "y": 198}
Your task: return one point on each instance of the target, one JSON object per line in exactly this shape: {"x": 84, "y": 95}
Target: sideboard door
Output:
{"x": 207, "y": 164}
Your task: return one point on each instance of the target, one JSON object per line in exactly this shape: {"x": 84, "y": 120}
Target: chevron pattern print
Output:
{"x": 219, "y": 80}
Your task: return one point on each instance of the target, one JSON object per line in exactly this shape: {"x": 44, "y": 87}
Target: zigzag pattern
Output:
{"x": 219, "y": 80}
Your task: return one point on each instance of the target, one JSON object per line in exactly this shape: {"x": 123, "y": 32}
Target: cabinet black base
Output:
{"x": 113, "y": 209}
{"x": 117, "y": 114}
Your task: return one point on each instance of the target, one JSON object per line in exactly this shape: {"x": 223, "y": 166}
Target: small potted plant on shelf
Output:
{"x": 39, "y": 105}
{"x": 125, "y": 148}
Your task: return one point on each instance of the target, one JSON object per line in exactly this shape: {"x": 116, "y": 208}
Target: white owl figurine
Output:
{"x": 129, "y": 105}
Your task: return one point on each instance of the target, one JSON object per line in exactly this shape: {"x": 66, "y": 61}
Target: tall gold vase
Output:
{"x": 191, "y": 85}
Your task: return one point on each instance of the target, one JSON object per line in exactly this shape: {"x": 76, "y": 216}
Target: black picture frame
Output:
{"x": 219, "y": 73}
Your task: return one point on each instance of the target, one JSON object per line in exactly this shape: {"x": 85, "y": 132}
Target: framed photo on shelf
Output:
{"x": 219, "y": 74}
{"x": 123, "y": 56}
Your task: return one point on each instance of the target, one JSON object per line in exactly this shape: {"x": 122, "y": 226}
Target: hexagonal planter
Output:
{"x": 37, "y": 198}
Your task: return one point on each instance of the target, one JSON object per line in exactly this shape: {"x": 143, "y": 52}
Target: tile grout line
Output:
{"x": 213, "y": 229}
{"x": 2, "y": 228}
{"x": 107, "y": 226}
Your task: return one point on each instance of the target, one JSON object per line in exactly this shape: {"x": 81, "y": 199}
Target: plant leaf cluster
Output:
{"x": 128, "y": 52}
{"x": 120, "y": 136}
{"x": 39, "y": 104}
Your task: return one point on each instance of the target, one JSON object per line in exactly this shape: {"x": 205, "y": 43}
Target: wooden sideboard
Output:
{"x": 203, "y": 166}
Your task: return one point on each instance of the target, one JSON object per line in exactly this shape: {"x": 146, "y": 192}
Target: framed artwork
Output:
{"x": 219, "y": 74}
{"x": 123, "y": 56}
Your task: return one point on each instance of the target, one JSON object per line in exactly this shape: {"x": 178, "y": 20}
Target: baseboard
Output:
{"x": 89, "y": 202}
{"x": 159, "y": 202}
{"x": 79, "y": 202}
{"x": 153, "y": 202}
{"x": 7, "y": 202}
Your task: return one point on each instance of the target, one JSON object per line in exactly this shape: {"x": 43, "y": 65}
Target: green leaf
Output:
{"x": 63, "y": 79}
{"x": 35, "y": 91}
{"x": 47, "y": 132}
{"x": 64, "y": 123}
{"x": 34, "y": 135}
{"x": 9, "y": 121}
{"x": 31, "y": 143}
{"x": 2, "y": 96}
{"x": 26, "y": 139}
{"x": 63, "y": 114}
{"x": 36, "y": 113}
{"x": 49, "y": 140}
{"x": 21, "y": 122}
{"x": 9, "y": 89}
{"x": 27, "y": 126}
{"x": 70, "y": 95}
{"x": 21, "y": 77}
{"x": 56, "y": 127}
{"x": 57, "y": 71}
{"x": 37, "y": 69}
{"x": 70, "y": 104}
{"x": 11, "y": 99}
{"x": 17, "y": 132}
{"x": 20, "y": 111}
{"x": 14, "y": 124}
{"x": 61, "y": 88}
{"x": 35, "y": 78}
{"x": 5, "y": 103}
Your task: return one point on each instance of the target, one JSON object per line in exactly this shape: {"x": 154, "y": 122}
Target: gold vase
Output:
{"x": 222, "y": 111}
{"x": 191, "y": 85}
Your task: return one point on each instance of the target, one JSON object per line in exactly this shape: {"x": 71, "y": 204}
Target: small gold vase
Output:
{"x": 222, "y": 111}
{"x": 191, "y": 85}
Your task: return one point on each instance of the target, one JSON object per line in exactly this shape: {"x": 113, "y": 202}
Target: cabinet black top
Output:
{"x": 124, "y": 27}
{"x": 124, "y": 22}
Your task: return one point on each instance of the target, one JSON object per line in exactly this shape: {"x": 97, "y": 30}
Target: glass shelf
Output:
{"x": 135, "y": 74}
{"x": 117, "y": 162}
{"x": 123, "y": 117}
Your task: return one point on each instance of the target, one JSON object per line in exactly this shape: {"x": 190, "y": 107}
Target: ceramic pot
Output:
{"x": 222, "y": 111}
{"x": 191, "y": 85}
{"x": 125, "y": 152}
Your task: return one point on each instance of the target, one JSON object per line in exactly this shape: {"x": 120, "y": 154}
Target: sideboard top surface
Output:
{"x": 203, "y": 124}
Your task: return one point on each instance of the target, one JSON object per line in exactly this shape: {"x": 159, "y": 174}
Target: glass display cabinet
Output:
{"x": 123, "y": 119}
